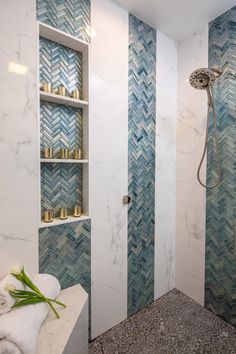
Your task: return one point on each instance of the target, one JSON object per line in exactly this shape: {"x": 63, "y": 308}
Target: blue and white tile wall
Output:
{"x": 220, "y": 283}
{"x": 63, "y": 250}
{"x": 141, "y": 163}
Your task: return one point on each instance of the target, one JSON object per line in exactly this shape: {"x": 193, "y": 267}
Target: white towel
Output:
{"x": 19, "y": 328}
{"x": 6, "y": 300}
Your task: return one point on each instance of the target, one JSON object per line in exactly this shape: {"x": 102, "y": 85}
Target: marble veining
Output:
{"x": 165, "y": 194}
{"x": 190, "y": 195}
{"x": 18, "y": 138}
{"x": 108, "y": 164}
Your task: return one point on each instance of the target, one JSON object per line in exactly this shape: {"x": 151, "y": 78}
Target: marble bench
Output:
{"x": 69, "y": 334}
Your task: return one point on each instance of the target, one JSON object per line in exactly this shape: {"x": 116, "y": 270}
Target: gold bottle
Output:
{"x": 78, "y": 154}
{"x": 62, "y": 90}
{"x": 77, "y": 211}
{"x": 63, "y": 214}
{"x": 48, "y": 153}
{"x": 64, "y": 153}
{"x": 75, "y": 94}
{"x": 47, "y": 87}
{"x": 48, "y": 215}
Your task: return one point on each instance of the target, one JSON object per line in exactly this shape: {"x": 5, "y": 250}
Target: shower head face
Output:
{"x": 202, "y": 78}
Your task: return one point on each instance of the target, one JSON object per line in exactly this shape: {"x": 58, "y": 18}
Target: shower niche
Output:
{"x": 64, "y": 127}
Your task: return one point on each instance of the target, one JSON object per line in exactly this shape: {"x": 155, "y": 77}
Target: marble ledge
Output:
{"x": 69, "y": 334}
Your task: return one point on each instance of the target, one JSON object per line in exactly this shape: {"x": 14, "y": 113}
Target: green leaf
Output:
{"x": 23, "y": 294}
{"x": 28, "y": 282}
{"x": 29, "y": 301}
{"x": 53, "y": 308}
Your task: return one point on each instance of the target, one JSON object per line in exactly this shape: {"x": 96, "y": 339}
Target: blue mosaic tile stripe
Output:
{"x": 70, "y": 16}
{"x": 141, "y": 165}
{"x": 61, "y": 186}
{"x": 220, "y": 283}
{"x": 65, "y": 252}
{"x": 60, "y": 65}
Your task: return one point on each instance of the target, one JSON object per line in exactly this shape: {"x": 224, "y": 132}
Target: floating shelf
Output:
{"x": 63, "y": 38}
{"x": 63, "y": 161}
{"x": 67, "y": 101}
{"x": 58, "y": 221}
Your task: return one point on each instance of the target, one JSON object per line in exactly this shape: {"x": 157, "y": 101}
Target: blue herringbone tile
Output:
{"x": 60, "y": 65}
{"x": 61, "y": 127}
{"x": 142, "y": 100}
{"x": 71, "y": 16}
{"x": 64, "y": 251}
{"x": 61, "y": 186}
{"x": 220, "y": 286}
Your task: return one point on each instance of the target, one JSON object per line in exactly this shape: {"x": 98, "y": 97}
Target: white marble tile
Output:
{"x": 190, "y": 200}
{"x": 165, "y": 165}
{"x": 18, "y": 136}
{"x": 108, "y": 163}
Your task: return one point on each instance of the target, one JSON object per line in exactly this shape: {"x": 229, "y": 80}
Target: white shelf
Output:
{"x": 58, "y": 221}
{"x": 63, "y": 161}
{"x": 62, "y": 38}
{"x": 72, "y": 102}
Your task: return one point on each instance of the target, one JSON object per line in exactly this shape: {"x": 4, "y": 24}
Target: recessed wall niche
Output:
{"x": 63, "y": 71}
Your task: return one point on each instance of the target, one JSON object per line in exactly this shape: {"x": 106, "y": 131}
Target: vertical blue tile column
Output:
{"x": 220, "y": 283}
{"x": 141, "y": 163}
{"x": 64, "y": 250}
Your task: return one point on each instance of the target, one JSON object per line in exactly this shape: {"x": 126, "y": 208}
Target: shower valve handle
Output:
{"x": 126, "y": 199}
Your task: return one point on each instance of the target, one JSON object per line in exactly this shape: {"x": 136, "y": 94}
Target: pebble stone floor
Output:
{"x": 172, "y": 324}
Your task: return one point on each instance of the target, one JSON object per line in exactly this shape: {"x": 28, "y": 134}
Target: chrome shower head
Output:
{"x": 202, "y": 78}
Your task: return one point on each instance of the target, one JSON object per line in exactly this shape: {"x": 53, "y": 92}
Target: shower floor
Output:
{"x": 172, "y": 324}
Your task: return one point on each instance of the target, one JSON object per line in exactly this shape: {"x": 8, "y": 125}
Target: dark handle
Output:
{"x": 126, "y": 199}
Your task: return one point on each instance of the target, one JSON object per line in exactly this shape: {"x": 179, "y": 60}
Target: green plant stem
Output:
{"x": 58, "y": 303}
{"x": 53, "y": 308}
{"x": 48, "y": 301}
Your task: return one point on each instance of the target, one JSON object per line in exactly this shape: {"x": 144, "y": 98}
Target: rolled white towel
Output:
{"x": 6, "y": 300}
{"x": 19, "y": 328}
